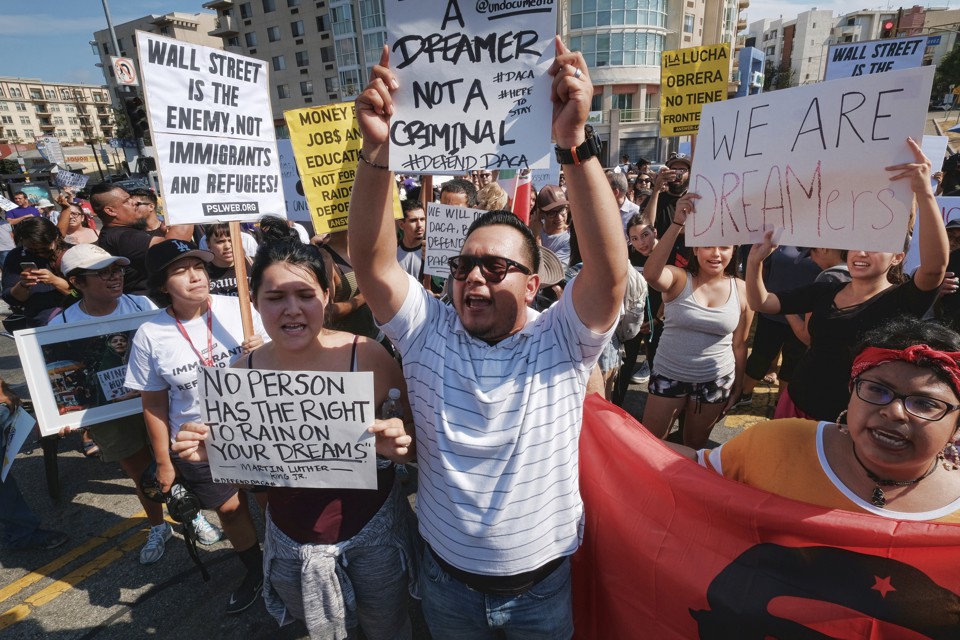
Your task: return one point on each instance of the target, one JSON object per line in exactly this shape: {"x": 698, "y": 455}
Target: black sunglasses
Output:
{"x": 493, "y": 268}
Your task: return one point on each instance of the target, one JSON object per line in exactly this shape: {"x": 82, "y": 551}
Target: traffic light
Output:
{"x": 888, "y": 28}
{"x": 137, "y": 116}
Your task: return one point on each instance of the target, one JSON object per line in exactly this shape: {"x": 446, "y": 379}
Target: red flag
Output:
{"x": 672, "y": 550}
{"x": 517, "y": 184}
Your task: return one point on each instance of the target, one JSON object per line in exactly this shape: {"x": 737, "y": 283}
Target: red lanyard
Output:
{"x": 206, "y": 361}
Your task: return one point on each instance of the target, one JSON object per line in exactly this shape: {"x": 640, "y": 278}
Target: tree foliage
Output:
{"x": 947, "y": 74}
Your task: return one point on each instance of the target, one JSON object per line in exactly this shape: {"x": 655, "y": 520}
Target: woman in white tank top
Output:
{"x": 703, "y": 350}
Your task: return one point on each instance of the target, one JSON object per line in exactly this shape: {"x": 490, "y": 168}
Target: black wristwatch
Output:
{"x": 587, "y": 150}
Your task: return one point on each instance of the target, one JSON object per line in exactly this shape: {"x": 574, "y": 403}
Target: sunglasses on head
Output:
{"x": 493, "y": 268}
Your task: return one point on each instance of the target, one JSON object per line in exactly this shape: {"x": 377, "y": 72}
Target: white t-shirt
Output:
{"x": 497, "y": 431}
{"x": 161, "y": 359}
{"x": 126, "y": 305}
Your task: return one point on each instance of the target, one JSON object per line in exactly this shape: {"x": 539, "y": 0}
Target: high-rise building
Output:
{"x": 188, "y": 27}
{"x": 74, "y": 113}
{"x": 319, "y": 51}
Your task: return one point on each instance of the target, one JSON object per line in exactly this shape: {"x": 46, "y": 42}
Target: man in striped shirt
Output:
{"x": 496, "y": 389}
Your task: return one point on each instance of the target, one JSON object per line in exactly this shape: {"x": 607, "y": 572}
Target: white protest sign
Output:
{"x": 935, "y": 148}
{"x": 14, "y": 437}
{"x": 543, "y": 177}
{"x": 70, "y": 179}
{"x": 7, "y": 205}
{"x": 49, "y": 147}
{"x": 289, "y": 428}
{"x": 212, "y": 127}
{"x": 111, "y": 383}
{"x": 810, "y": 160}
{"x": 474, "y": 91}
{"x": 297, "y": 208}
{"x": 949, "y": 210}
{"x": 447, "y": 227}
{"x": 849, "y": 59}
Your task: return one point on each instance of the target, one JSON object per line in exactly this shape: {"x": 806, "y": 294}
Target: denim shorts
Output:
{"x": 713, "y": 392}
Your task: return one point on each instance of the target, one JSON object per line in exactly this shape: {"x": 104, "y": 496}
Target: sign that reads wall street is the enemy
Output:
{"x": 474, "y": 90}
{"x": 689, "y": 79}
{"x": 811, "y": 161}
{"x": 848, "y": 59}
{"x": 212, "y": 127}
{"x": 289, "y": 428}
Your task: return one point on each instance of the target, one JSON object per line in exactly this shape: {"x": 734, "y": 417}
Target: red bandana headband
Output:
{"x": 918, "y": 354}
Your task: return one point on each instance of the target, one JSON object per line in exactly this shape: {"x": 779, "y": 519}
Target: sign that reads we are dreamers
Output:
{"x": 811, "y": 161}
{"x": 289, "y": 428}
{"x": 212, "y": 127}
{"x": 691, "y": 78}
{"x": 474, "y": 90}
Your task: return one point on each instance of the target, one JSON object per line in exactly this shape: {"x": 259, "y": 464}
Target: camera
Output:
{"x": 183, "y": 506}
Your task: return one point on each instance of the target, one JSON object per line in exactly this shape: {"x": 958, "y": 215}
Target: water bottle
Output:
{"x": 392, "y": 408}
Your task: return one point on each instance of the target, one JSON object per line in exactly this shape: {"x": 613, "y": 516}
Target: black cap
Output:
{"x": 163, "y": 254}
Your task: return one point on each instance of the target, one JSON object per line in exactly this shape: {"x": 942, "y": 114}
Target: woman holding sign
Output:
{"x": 195, "y": 329}
{"x": 325, "y": 545}
{"x": 842, "y": 312}
{"x": 702, "y": 354}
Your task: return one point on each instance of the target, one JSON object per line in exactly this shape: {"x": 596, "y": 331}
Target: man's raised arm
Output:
{"x": 598, "y": 292}
{"x": 372, "y": 229}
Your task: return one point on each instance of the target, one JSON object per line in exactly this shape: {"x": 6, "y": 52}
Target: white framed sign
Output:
{"x": 71, "y": 371}
{"x": 212, "y": 127}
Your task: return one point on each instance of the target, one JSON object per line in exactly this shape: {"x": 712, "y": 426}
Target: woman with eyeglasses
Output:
{"x": 98, "y": 278}
{"x": 842, "y": 312}
{"x": 72, "y": 224}
{"x": 891, "y": 452}
{"x": 32, "y": 281}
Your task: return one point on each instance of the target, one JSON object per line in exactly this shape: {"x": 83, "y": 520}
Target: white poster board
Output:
{"x": 550, "y": 175}
{"x": 949, "y": 210}
{"x": 810, "y": 160}
{"x": 289, "y": 428}
{"x": 212, "y": 127}
{"x": 935, "y": 148}
{"x": 297, "y": 208}
{"x": 71, "y": 180}
{"x": 849, "y": 59}
{"x": 49, "y": 147}
{"x": 474, "y": 91}
{"x": 7, "y": 205}
{"x": 447, "y": 227}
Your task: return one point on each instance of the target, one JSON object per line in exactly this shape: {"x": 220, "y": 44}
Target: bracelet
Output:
{"x": 679, "y": 224}
{"x": 372, "y": 164}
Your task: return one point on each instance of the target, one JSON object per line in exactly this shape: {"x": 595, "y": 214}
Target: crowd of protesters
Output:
{"x": 493, "y": 363}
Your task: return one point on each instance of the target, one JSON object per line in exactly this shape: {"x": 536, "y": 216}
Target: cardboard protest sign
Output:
{"x": 810, "y": 160}
{"x": 212, "y": 127}
{"x": 297, "y": 208}
{"x": 848, "y": 59}
{"x": 689, "y": 79}
{"x": 447, "y": 227}
{"x": 289, "y": 428}
{"x": 13, "y": 438}
{"x": 474, "y": 91}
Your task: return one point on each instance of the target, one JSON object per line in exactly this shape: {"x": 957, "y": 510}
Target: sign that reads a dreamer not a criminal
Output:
{"x": 212, "y": 127}
{"x": 289, "y": 428}
{"x": 474, "y": 90}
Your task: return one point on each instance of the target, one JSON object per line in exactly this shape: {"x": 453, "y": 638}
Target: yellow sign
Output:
{"x": 689, "y": 79}
{"x": 326, "y": 143}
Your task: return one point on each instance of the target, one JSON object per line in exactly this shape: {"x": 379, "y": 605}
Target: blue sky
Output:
{"x": 49, "y": 38}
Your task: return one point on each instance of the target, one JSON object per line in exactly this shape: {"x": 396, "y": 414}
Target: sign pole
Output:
{"x": 243, "y": 287}
{"x": 426, "y": 197}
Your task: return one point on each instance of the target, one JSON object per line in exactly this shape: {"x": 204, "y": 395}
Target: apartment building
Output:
{"x": 74, "y": 113}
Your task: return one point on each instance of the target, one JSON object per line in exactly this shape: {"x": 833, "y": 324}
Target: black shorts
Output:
{"x": 197, "y": 478}
{"x": 712, "y": 392}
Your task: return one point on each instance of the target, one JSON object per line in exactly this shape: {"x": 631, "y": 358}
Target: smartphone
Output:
{"x": 28, "y": 266}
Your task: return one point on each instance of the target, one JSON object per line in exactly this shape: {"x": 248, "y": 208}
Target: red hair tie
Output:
{"x": 919, "y": 354}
